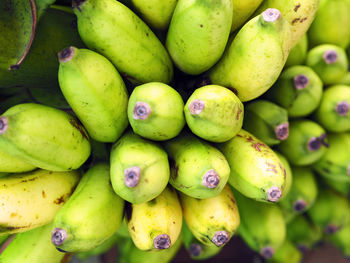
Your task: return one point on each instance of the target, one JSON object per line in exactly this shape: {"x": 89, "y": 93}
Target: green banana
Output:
{"x": 139, "y": 169}
{"x": 306, "y": 143}
{"x": 97, "y": 94}
{"x": 156, "y": 13}
{"x": 213, "y": 221}
{"x": 9, "y": 164}
{"x": 299, "y": 14}
{"x": 330, "y": 212}
{"x": 3, "y": 239}
{"x": 197, "y": 169}
{"x": 43, "y": 136}
{"x": 256, "y": 56}
{"x": 303, "y": 233}
{"x": 155, "y": 111}
{"x": 341, "y": 240}
{"x": 289, "y": 175}
{"x": 298, "y": 53}
{"x": 32, "y": 246}
{"x": 113, "y": 30}
{"x": 345, "y": 80}
{"x": 332, "y": 24}
{"x": 335, "y": 164}
{"x": 155, "y": 224}
{"x": 303, "y": 192}
{"x": 91, "y": 216}
{"x": 242, "y": 10}
{"x": 329, "y": 62}
{"x": 262, "y": 227}
{"x": 267, "y": 121}
{"x": 287, "y": 253}
{"x": 198, "y": 33}
{"x": 209, "y": 111}
{"x": 298, "y": 90}
{"x": 256, "y": 170}
{"x": 340, "y": 186}
{"x": 32, "y": 199}
{"x": 333, "y": 112}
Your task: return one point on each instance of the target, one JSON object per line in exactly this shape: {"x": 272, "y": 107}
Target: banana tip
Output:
{"x": 299, "y": 205}
{"x": 301, "y": 81}
{"x": 271, "y": 14}
{"x": 220, "y": 238}
{"x": 162, "y": 241}
{"x": 274, "y": 194}
{"x": 132, "y": 176}
{"x": 66, "y": 54}
{"x": 141, "y": 110}
{"x": 196, "y": 107}
{"x": 195, "y": 250}
{"x": 211, "y": 179}
{"x": 282, "y": 131}
{"x": 314, "y": 144}
{"x": 3, "y": 124}
{"x": 303, "y": 248}
{"x": 77, "y": 3}
{"x": 267, "y": 252}
{"x": 331, "y": 229}
{"x": 330, "y": 56}
{"x": 58, "y": 236}
{"x": 342, "y": 108}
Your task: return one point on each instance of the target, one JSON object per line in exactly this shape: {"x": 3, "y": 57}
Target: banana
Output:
{"x": 32, "y": 199}
{"x": 139, "y": 169}
{"x": 113, "y": 30}
{"x": 198, "y": 33}
{"x": 335, "y": 164}
{"x": 262, "y": 227}
{"x": 341, "y": 240}
{"x": 332, "y": 24}
{"x": 209, "y": 111}
{"x": 242, "y": 10}
{"x": 256, "y": 170}
{"x": 299, "y": 14}
{"x": 213, "y": 221}
{"x": 340, "y": 186}
{"x": 32, "y": 246}
{"x": 303, "y": 233}
{"x": 306, "y": 143}
{"x": 97, "y": 94}
{"x": 91, "y": 216}
{"x": 197, "y": 169}
{"x": 155, "y": 224}
{"x": 256, "y": 56}
{"x": 345, "y": 80}
{"x": 43, "y": 136}
{"x": 287, "y": 253}
{"x": 267, "y": 121}
{"x": 3, "y": 239}
{"x": 333, "y": 112}
{"x": 155, "y": 111}
{"x": 299, "y": 90}
{"x": 298, "y": 53}
{"x": 329, "y": 62}
{"x": 303, "y": 192}
{"x": 9, "y": 164}
{"x": 289, "y": 175}
{"x": 330, "y": 212}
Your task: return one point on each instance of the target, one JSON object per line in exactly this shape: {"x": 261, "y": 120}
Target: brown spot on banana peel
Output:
{"x": 258, "y": 145}
{"x": 301, "y": 81}
{"x": 282, "y": 131}
{"x": 211, "y": 179}
{"x": 141, "y": 111}
{"x": 162, "y": 241}
{"x": 3, "y": 124}
{"x": 58, "y": 236}
{"x": 271, "y": 167}
{"x": 297, "y": 7}
{"x": 342, "y": 108}
{"x": 274, "y": 193}
{"x": 195, "y": 250}
{"x": 132, "y": 176}
{"x": 196, "y": 107}
{"x": 79, "y": 127}
{"x": 238, "y": 113}
{"x": 59, "y": 200}
{"x": 330, "y": 56}
{"x": 220, "y": 238}
{"x": 43, "y": 194}
{"x": 267, "y": 252}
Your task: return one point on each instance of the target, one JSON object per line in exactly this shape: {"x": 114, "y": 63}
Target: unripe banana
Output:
{"x": 331, "y": 24}
{"x": 289, "y": 175}
{"x": 9, "y": 164}
{"x": 255, "y": 58}
{"x": 262, "y": 227}
{"x": 298, "y": 90}
{"x": 345, "y": 80}
{"x": 287, "y": 253}
{"x": 3, "y": 239}
{"x": 155, "y": 111}
{"x": 197, "y": 169}
{"x": 242, "y": 10}
{"x": 341, "y": 240}
{"x": 213, "y": 221}
{"x": 113, "y": 30}
{"x": 139, "y": 169}
{"x": 32, "y": 199}
{"x": 157, "y": 13}
{"x": 306, "y": 143}
{"x": 198, "y": 33}
{"x": 333, "y": 112}
{"x": 330, "y": 212}
{"x": 44, "y": 137}
{"x": 298, "y": 53}
{"x": 155, "y": 224}
{"x": 32, "y": 246}
{"x": 340, "y": 186}
{"x": 214, "y": 113}
{"x": 97, "y": 94}
{"x": 256, "y": 171}
{"x": 329, "y": 62}
{"x": 267, "y": 121}
{"x": 91, "y": 216}
{"x": 299, "y": 14}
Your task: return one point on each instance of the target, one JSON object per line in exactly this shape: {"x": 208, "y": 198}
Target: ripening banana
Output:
{"x": 262, "y": 227}
{"x": 139, "y": 168}
{"x": 213, "y": 221}
{"x": 9, "y": 164}
{"x": 91, "y": 216}
{"x": 299, "y": 90}
{"x": 289, "y": 174}
{"x": 287, "y": 253}
{"x": 267, "y": 121}
{"x": 113, "y": 30}
{"x": 256, "y": 170}
{"x": 198, "y": 33}
{"x": 155, "y": 224}
{"x": 297, "y": 54}
{"x": 341, "y": 240}
{"x": 95, "y": 91}
{"x": 197, "y": 168}
{"x": 32, "y": 199}
{"x": 43, "y": 136}
{"x": 333, "y": 112}
{"x": 256, "y": 56}
{"x": 242, "y": 10}
{"x": 214, "y": 113}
